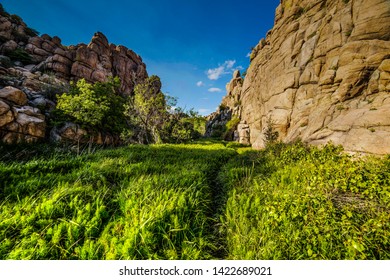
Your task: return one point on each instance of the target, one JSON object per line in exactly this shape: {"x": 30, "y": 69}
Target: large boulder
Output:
{"x": 18, "y": 122}
{"x": 13, "y": 95}
{"x": 322, "y": 74}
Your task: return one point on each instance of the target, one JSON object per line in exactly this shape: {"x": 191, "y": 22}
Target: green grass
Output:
{"x": 137, "y": 202}
{"x": 294, "y": 202}
{"x": 206, "y": 200}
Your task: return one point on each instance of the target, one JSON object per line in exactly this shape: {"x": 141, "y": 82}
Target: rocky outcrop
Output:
{"x": 230, "y": 108}
{"x": 322, "y": 74}
{"x": 71, "y": 132}
{"x": 95, "y": 62}
{"x": 34, "y": 69}
{"x": 18, "y": 121}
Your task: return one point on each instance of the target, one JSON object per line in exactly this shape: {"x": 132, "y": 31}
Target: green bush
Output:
{"x": 96, "y": 105}
{"x": 230, "y": 127}
{"x": 19, "y": 55}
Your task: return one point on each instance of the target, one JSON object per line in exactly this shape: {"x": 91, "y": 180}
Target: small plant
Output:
{"x": 230, "y": 127}
{"x": 19, "y": 55}
{"x": 31, "y": 32}
{"x": 340, "y": 107}
{"x": 372, "y": 129}
{"x": 270, "y": 134}
{"x": 222, "y": 107}
{"x": 300, "y": 11}
{"x": 5, "y": 62}
{"x": 312, "y": 35}
{"x": 16, "y": 19}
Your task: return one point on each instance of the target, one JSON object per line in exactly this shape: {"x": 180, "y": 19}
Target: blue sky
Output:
{"x": 192, "y": 45}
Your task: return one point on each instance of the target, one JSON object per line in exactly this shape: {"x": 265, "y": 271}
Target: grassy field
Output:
{"x": 193, "y": 201}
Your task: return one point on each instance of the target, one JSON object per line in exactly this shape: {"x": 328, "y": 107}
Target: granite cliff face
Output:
{"x": 34, "y": 68}
{"x": 322, "y": 74}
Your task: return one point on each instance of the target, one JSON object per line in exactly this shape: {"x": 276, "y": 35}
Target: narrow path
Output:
{"x": 219, "y": 194}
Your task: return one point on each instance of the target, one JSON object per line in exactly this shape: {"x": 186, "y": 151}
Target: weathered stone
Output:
{"x": 4, "y": 107}
{"x": 243, "y": 133}
{"x": 28, "y": 110}
{"x": 14, "y": 95}
{"x": 6, "y": 118}
{"x": 39, "y": 102}
{"x": 322, "y": 76}
{"x": 9, "y": 46}
{"x": 31, "y": 125}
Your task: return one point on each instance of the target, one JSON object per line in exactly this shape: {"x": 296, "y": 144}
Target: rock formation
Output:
{"x": 322, "y": 74}
{"x": 18, "y": 121}
{"x": 33, "y": 69}
{"x": 94, "y": 62}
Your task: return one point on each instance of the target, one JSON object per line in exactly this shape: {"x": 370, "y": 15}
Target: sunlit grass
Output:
{"x": 138, "y": 202}
{"x": 206, "y": 200}
{"x": 292, "y": 202}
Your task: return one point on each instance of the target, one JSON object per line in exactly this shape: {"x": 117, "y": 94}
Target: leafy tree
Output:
{"x": 96, "y": 105}
{"x": 155, "y": 118}
{"x": 147, "y": 110}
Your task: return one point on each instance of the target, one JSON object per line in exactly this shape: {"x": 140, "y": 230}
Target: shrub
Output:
{"x": 31, "y": 32}
{"x": 270, "y": 134}
{"x": 5, "y": 61}
{"x": 94, "y": 105}
{"x": 16, "y": 19}
{"x": 230, "y": 127}
{"x": 218, "y": 131}
{"x": 19, "y": 55}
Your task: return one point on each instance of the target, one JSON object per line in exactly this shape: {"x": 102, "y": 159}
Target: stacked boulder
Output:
{"x": 19, "y": 121}
{"x": 34, "y": 69}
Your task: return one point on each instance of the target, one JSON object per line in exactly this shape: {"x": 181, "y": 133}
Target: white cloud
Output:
{"x": 230, "y": 63}
{"x": 214, "y": 74}
{"x": 225, "y": 68}
{"x": 249, "y": 54}
{"x": 200, "y": 84}
{"x": 215, "y": 89}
